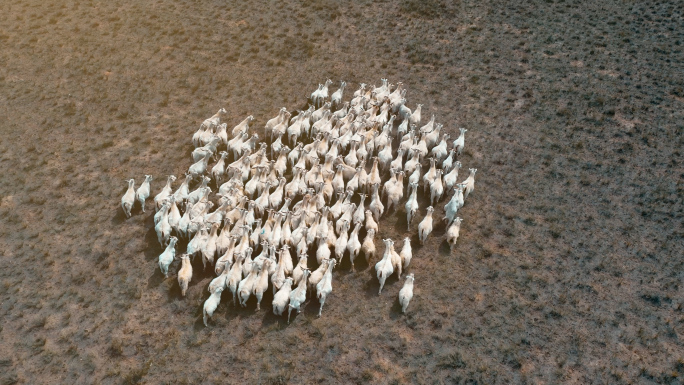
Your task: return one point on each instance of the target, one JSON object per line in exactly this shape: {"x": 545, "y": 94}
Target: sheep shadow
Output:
{"x": 156, "y": 279}
{"x": 444, "y": 248}
{"x": 153, "y": 248}
{"x": 394, "y": 311}
{"x": 119, "y": 216}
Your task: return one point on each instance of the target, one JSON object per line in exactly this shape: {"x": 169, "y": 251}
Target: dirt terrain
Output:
{"x": 569, "y": 266}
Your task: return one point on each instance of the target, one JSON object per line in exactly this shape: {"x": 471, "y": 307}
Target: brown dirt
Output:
{"x": 569, "y": 265}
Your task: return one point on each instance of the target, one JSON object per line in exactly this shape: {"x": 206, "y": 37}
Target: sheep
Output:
{"x": 324, "y": 287}
{"x": 428, "y": 127}
{"x": 414, "y": 178}
{"x": 261, "y": 283}
{"x": 219, "y": 282}
{"x": 209, "y": 148}
{"x": 211, "y": 304}
{"x": 439, "y": 152}
{"x": 371, "y": 224}
{"x": 453, "y": 232}
{"x": 459, "y": 143}
{"x": 429, "y": 176}
{"x": 167, "y": 256}
{"x": 385, "y": 156}
{"x": 451, "y": 178}
{"x": 395, "y": 193}
{"x": 469, "y": 183}
{"x": 341, "y": 244}
{"x": 243, "y": 126}
{"x": 406, "y": 293}
{"x": 368, "y": 245}
{"x": 361, "y": 91}
{"x": 165, "y": 192}
{"x": 184, "y": 274}
{"x": 319, "y": 96}
{"x": 436, "y": 188}
{"x": 298, "y": 295}
{"x": 174, "y": 215}
{"x": 323, "y": 251}
{"x": 454, "y": 205}
{"x": 354, "y": 246}
{"x": 412, "y": 204}
{"x": 163, "y": 228}
{"x": 215, "y": 120}
{"x": 406, "y": 253}
{"x": 413, "y": 163}
{"x": 342, "y": 111}
{"x": 183, "y": 190}
{"x": 316, "y": 276}
{"x": 128, "y": 199}
{"x": 448, "y": 163}
{"x": 209, "y": 246}
{"x": 376, "y": 206}
{"x": 336, "y": 97}
{"x": 384, "y": 268}
{"x": 234, "y": 276}
{"x": 414, "y": 119}
{"x": 219, "y": 169}
{"x": 298, "y": 271}
{"x": 246, "y": 286}
{"x": 268, "y": 128}
{"x": 425, "y": 226}
{"x": 143, "y": 192}
{"x": 282, "y": 297}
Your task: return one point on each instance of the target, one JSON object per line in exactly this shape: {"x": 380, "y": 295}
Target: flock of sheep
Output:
{"x": 297, "y": 192}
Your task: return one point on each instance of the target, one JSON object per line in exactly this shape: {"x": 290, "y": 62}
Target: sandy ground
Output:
{"x": 569, "y": 265}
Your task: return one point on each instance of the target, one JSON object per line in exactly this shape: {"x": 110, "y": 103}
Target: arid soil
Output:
{"x": 569, "y": 265}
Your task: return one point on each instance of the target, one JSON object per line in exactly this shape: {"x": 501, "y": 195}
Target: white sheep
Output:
{"x": 368, "y": 245}
{"x": 425, "y": 226}
{"x": 165, "y": 192}
{"x": 406, "y": 253}
{"x": 215, "y": 120}
{"x": 184, "y": 274}
{"x": 219, "y": 168}
{"x": 246, "y": 286}
{"x": 199, "y": 168}
{"x": 412, "y": 204}
{"x": 324, "y": 287}
{"x": 384, "y": 268}
{"x": 414, "y": 119}
{"x": 453, "y": 232}
{"x": 298, "y": 295}
{"x": 243, "y": 126}
{"x": 128, "y": 199}
{"x": 451, "y": 208}
{"x": 354, "y": 246}
{"x": 459, "y": 143}
{"x": 406, "y": 293}
{"x": 319, "y": 96}
{"x": 282, "y": 297}
{"x": 167, "y": 257}
{"x": 436, "y": 188}
{"x": 469, "y": 183}
{"x": 336, "y": 97}
{"x": 211, "y": 304}
{"x": 261, "y": 283}
{"x": 143, "y": 192}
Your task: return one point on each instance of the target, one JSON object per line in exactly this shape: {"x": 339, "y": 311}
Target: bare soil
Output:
{"x": 569, "y": 265}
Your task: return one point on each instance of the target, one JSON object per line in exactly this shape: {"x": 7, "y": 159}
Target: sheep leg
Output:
{"x": 320, "y": 310}
{"x": 289, "y": 311}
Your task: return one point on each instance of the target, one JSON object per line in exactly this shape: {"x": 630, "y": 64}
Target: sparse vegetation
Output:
{"x": 567, "y": 270}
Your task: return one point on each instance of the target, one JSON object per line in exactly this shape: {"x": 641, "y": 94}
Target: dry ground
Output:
{"x": 569, "y": 266}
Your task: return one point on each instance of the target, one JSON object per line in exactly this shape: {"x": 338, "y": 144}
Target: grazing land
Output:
{"x": 569, "y": 266}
